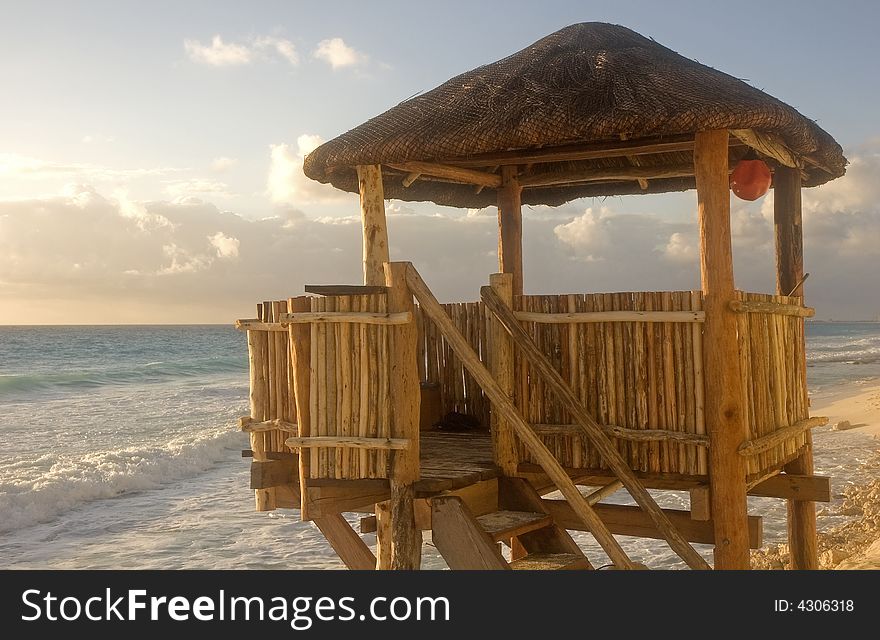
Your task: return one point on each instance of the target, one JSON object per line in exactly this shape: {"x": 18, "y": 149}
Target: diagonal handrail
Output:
{"x": 508, "y": 411}
{"x": 591, "y": 428}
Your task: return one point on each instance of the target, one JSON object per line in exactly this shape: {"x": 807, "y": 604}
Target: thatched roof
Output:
{"x": 587, "y": 84}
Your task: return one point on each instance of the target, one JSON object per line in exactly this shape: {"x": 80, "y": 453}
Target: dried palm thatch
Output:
{"x": 590, "y": 83}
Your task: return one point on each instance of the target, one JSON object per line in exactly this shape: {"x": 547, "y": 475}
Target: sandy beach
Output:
{"x": 856, "y": 543}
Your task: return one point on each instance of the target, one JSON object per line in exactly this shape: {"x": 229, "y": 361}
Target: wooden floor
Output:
{"x": 454, "y": 460}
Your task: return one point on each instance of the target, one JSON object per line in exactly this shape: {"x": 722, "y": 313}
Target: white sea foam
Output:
{"x": 67, "y": 481}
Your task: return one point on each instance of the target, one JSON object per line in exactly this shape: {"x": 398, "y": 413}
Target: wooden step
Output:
{"x": 503, "y": 525}
{"x": 550, "y": 562}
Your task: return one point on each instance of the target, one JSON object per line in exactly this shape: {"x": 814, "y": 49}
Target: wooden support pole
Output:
{"x": 406, "y": 537}
{"x": 346, "y": 542}
{"x": 787, "y": 224}
{"x": 383, "y": 535}
{"x": 374, "y": 226}
{"x": 300, "y": 357}
{"x": 264, "y": 499}
{"x": 510, "y": 227}
{"x": 724, "y": 411}
{"x": 501, "y": 365}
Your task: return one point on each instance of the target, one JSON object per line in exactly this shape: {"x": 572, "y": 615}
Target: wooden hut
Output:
{"x": 694, "y": 391}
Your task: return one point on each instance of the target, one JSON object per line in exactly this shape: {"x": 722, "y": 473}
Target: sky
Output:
{"x": 151, "y": 153}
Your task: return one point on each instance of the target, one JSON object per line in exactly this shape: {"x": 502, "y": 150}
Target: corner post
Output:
{"x": 375, "y": 229}
{"x": 787, "y": 225}
{"x": 724, "y": 411}
{"x": 510, "y": 227}
{"x": 300, "y": 358}
{"x": 258, "y": 346}
{"x": 406, "y": 537}
{"x": 501, "y": 365}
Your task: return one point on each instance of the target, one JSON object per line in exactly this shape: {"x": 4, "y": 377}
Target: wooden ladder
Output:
{"x": 522, "y": 522}
{"x": 502, "y": 404}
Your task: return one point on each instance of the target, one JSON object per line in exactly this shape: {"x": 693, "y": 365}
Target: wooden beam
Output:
{"x": 258, "y": 325}
{"x": 264, "y": 499}
{"x": 601, "y": 477}
{"x": 777, "y": 308}
{"x": 460, "y": 539}
{"x": 457, "y": 174}
{"x": 346, "y": 542}
{"x": 410, "y": 178}
{"x": 648, "y": 434}
{"x": 382, "y": 521}
{"x": 249, "y": 425}
{"x": 345, "y": 495}
{"x": 554, "y": 381}
{"x": 510, "y": 228}
{"x": 375, "y": 229}
{"x": 767, "y": 144}
{"x": 725, "y": 415}
{"x": 350, "y": 442}
{"x": 405, "y": 398}
{"x": 266, "y": 474}
{"x": 767, "y": 442}
{"x": 300, "y": 337}
{"x": 502, "y": 404}
{"x": 352, "y": 317}
{"x": 701, "y": 503}
{"x": 794, "y": 487}
{"x": 574, "y": 152}
{"x": 344, "y": 289}
{"x": 603, "y": 492}
{"x": 504, "y": 446}
{"x": 788, "y": 228}
{"x": 629, "y": 520}
{"x": 595, "y": 174}
{"x": 610, "y": 316}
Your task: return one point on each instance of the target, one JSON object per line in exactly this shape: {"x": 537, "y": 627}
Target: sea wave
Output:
{"x": 72, "y": 481}
{"x": 16, "y": 384}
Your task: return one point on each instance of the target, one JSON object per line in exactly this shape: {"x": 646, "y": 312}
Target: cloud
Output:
{"x": 226, "y": 246}
{"x": 337, "y": 54}
{"x": 218, "y": 53}
{"x": 222, "y": 164}
{"x": 287, "y": 184}
{"x": 229, "y": 54}
{"x": 21, "y": 167}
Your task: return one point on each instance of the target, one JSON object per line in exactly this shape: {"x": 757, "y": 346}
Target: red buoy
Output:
{"x": 750, "y": 178}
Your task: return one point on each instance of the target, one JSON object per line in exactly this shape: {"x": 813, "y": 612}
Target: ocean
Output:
{"x": 121, "y": 451}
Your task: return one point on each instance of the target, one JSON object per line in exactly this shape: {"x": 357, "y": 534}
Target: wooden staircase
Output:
{"x": 522, "y": 522}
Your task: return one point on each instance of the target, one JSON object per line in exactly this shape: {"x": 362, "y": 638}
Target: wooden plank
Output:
{"x": 550, "y": 562}
{"x": 249, "y": 425}
{"x": 591, "y": 429}
{"x": 503, "y": 404}
{"x": 350, "y": 442}
{"x": 405, "y": 398}
{"x": 457, "y": 174}
{"x": 581, "y": 151}
{"x": 504, "y": 524}
{"x": 629, "y": 520}
{"x": 346, "y": 542}
{"x": 601, "y": 477}
{"x": 701, "y": 503}
{"x": 324, "y": 500}
{"x": 258, "y": 325}
{"x": 610, "y": 316}
{"x": 725, "y": 417}
{"x": 769, "y": 441}
{"x": 776, "y": 308}
{"x": 349, "y": 317}
{"x": 510, "y": 227}
{"x": 794, "y": 487}
{"x": 375, "y": 229}
{"x": 648, "y": 434}
{"x": 460, "y": 539}
{"x": 300, "y": 337}
{"x": 272, "y": 473}
{"x": 603, "y": 174}
{"x": 768, "y": 145}
{"x": 345, "y": 289}
{"x": 382, "y": 521}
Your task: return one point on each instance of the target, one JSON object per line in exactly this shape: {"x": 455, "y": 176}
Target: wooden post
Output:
{"x": 510, "y": 227}
{"x": 501, "y": 365}
{"x": 300, "y": 356}
{"x": 383, "y": 535}
{"x": 406, "y": 537}
{"x": 264, "y": 499}
{"x": 724, "y": 411}
{"x": 787, "y": 224}
{"x": 374, "y": 225}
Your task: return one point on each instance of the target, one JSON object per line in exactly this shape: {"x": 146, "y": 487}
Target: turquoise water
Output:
{"x": 120, "y": 450}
